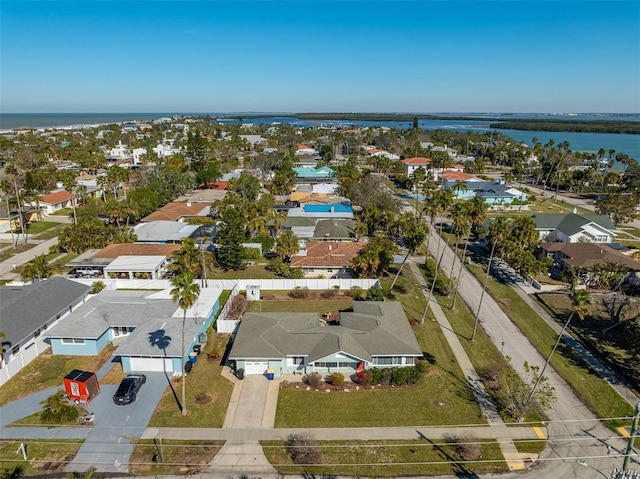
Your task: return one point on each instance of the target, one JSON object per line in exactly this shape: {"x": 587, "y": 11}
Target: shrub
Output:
{"x": 401, "y": 286}
{"x": 465, "y": 447}
{"x": 299, "y": 293}
{"x": 365, "y": 378}
{"x": 355, "y": 292}
{"x": 303, "y": 449}
{"x": 374, "y": 294}
{"x": 376, "y": 376}
{"x": 97, "y": 287}
{"x": 337, "y": 379}
{"x": 314, "y": 379}
{"x": 399, "y": 376}
{"x": 328, "y": 293}
{"x": 238, "y": 307}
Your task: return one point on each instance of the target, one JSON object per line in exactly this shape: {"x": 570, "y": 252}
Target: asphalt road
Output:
{"x": 582, "y": 435}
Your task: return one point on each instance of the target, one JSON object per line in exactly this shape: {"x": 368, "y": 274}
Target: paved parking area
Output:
{"x": 108, "y": 444}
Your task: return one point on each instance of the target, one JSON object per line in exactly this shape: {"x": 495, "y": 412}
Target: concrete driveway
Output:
{"x": 108, "y": 444}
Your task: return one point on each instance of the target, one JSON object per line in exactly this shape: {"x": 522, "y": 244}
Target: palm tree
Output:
{"x": 186, "y": 259}
{"x": 185, "y": 293}
{"x": 581, "y": 305}
{"x": 5, "y": 186}
{"x": 498, "y": 229}
{"x": 69, "y": 183}
{"x": 287, "y": 245}
{"x": 414, "y": 233}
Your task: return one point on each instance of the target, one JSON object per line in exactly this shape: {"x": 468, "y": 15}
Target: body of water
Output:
{"x": 629, "y": 144}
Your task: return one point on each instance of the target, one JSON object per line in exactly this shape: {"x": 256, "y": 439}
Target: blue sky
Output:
{"x": 299, "y": 56}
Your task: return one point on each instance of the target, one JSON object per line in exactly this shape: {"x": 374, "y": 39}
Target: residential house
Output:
{"x": 165, "y": 231}
{"x": 334, "y": 230}
{"x": 574, "y": 228}
{"x": 310, "y": 174}
{"x": 329, "y": 259}
{"x": 306, "y": 150}
{"x": 177, "y": 211}
{"x": 145, "y": 325}
{"x": 27, "y": 311}
{"x": 55, "y": 201}
{"x": 374, "y": 334}
{"x": 323, "y": 211}
{"x": 412, "y": 164}
{"x": 587, "y": 256}
{"x": 375, "y": 152}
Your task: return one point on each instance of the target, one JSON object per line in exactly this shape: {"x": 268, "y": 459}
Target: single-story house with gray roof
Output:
{"x": 374, "y": 334}
{"x": 145, "y": 325}
{"x": 164, "y": 232}
{"x": 27, "y": 311}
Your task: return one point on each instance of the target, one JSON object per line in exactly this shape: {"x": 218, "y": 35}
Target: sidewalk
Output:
{"x": 509, "y": 451}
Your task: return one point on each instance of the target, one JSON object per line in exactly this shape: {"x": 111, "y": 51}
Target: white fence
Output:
{"x": 230, "y": 284}
{"x": 236, "y": 285}
{"x": 15, "y": 362}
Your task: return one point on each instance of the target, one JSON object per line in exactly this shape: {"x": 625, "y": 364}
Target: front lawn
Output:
{"x": 48, "y": 370}
{"x": 387, "y": 458}
{"x": 180, "y": 457}
{"x": 40, "y": 226}
{"x": 208, "y": 393}
{"x": 280, "y": 302}
{"x": 257, "y": 271}
{"x": 44, "y": 456}
{"x": 441, "y": 397}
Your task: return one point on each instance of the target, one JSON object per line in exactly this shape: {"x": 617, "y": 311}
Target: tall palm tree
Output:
{"x": 185, "y": 293}
{"x": 414, "y": 232}
{"x": 499, "y": 230}
{"x": 581, "y": 302}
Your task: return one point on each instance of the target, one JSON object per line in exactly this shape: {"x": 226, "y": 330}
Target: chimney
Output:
{"x": 575, "y": 211}
{"x": 188, "y": 204}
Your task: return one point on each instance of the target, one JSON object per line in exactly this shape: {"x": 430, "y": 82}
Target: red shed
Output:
{"x": 81, "y": 386}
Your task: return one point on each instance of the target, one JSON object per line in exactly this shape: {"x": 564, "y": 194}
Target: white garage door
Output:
{"x": 152, "y": 364}
{"x": 255, "y": 367}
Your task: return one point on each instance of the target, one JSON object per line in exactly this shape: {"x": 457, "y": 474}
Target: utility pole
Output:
{"x": 632, "y": 437}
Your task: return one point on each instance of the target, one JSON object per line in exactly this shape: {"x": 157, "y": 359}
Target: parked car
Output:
{"x": 129, "y": 388}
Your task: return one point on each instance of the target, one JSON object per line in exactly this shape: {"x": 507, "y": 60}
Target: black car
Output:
{"x": 128, "y": 389}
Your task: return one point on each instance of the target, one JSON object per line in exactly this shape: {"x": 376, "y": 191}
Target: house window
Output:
{"x": 120, "y": 331}
{"x": 72, "y": 341}
{"x": 390, "y": 360}
{"x": 327, "y": 365}
{"x": 295, "y": 360}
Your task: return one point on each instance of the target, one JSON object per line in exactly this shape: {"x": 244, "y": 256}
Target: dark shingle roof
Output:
{"x": 24, "y": 309}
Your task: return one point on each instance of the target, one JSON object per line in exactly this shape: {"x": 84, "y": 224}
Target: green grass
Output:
{"x": 63, "y": 212}
{"x": 595, "y": 392}
{"x": 41, "y": 226}
{"x": 251, "y": 272}
{"x": 290, "y": 305}
{"x": 531, "y": 446}
{"x": 48, "y": 370}
{"x": 180, "y": 457}
{"x": 208, "y": 393}
{"x": 52, "y": 232}
{"x": 387, "y": 458}
{"x": 44, "y": 456}
{"x": 442, "y": 397}
{"x": 8, "y": 253}
{"x": 483, "y": 354}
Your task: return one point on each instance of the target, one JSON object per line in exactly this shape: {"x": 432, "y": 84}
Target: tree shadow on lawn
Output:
{"x": 457, "y": 468}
